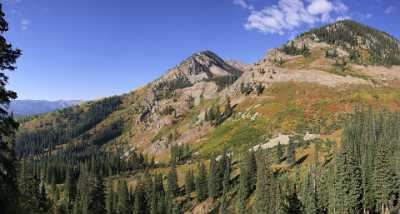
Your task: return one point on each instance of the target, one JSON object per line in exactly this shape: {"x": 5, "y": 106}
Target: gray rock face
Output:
{"x": 201, "y": 66}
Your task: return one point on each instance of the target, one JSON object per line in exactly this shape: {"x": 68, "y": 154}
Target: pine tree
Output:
{"x": 251, "y": 165}
{"x": 291, "y": 159}
{"x": 228, "y": 110}
{"x": 226, "y": 174}
{"x": 97, "y": 198}
{"x": 349, "y": 192}
{"x": 225, "y": 163}
{"x": 259, "y": 89}
{"x": 162, "y": 205}
{"x": 172, "y": 182}
{"x": 110, "y": 197}
{"x": 213, "y": 178}
{"x": 140, "y": 206}
{"x": 69, "y": 187}
{"x": 244, "y": 184}
{"x": 122, "y": 205}
{"x": 84, "y": 188}
{"x": 29, "y": 188}
{"x": 383, "y": 178}
{"x": 189, "y": 183}
{"x": 8, "y": 163}
{"x": 310, "y": 193}
{"x": 201, "y": 182}
{"x": 293, "y": 204}
{"x": 261, "y": 200}
{"x": 279, "y": 153}
{"x": 43, "y": 202}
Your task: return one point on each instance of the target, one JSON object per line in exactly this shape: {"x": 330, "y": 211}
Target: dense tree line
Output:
{"x": 179, "y": 153}
{"x": 165, "y": 89}
{"x": 361, "y": 177}
{"x": 293, "y": 50}
{"x": 76, "y": 123}
{"x": 225, "y": 81}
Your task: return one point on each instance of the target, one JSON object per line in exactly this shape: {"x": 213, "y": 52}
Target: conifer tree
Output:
{"x": 28, "y": 185}
{"x": 110, "y": 197}
{"x": 244, "y": 183}
{"x": 212, "y": 178}
{"x": 279, "y": 153}
{"x": 43, "y": 201}
{"x": 228, "y": 108}
{"x": 162, "y": 205}
{"x": 384, "y": 178}
{"x": 291, "y": 153}
{"x": 356, "y": 191}
{"x": 223, "y": 209}
{"x": 97, "y": 198}
{"x": 172, "y": 182}
{"x": 140, "y": 206}
{"x": 227, "y": 175}
{"x": 122, "y": 205}
{"x": 310, "y": 197}
{"x": 251, "y": 169}
{"x": 293, "y": 204}
{"x": 261, "y": 201}
{"x": 69, "y": 187}
{"x": 201, "y": 182}
{"x": 8, "y": 163}
{"x": 189, "y": 182}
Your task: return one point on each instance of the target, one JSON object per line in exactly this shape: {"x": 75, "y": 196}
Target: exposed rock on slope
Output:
{"x": 202, "y": 66}
{"x": 307, "y": 84}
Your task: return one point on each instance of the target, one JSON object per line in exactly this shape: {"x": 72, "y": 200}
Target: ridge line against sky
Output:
{"x": 94, "y": 48}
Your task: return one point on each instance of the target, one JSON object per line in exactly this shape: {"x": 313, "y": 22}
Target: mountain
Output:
{"x": 364, "y": 44}
{"x": 299, "y": 99}
{"x": 281, "y": 85}
{"x": 33, "y": 107}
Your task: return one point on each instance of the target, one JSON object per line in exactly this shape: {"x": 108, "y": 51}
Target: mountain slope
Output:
{"x": 162, "y": 113}
{"x": 365, "y": 45}
{"x": 300, "y": 94}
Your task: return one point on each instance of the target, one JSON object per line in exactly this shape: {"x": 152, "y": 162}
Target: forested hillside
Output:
{"x": 364, "y": 44}
{"x": 313, "y": 127}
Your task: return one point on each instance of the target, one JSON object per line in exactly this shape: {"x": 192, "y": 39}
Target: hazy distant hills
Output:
{"x": 32, "y": 107}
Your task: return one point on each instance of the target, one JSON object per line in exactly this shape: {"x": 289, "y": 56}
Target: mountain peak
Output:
{"x": 203, "y": 65}
{"x": 202, "y": 61}
{"x": 364, "y": 44}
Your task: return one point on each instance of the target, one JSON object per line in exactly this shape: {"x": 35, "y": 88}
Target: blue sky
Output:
{"x": 87, "y": 49}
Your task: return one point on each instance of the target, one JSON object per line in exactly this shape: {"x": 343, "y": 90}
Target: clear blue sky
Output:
{"x": 86, "y": 49}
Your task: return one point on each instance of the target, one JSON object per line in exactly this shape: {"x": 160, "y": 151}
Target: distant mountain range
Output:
{"x": 33, "y": 107}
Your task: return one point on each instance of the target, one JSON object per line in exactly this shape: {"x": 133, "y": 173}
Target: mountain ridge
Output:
{"x": 204, "y": 81}
{"x": 206, "y": 109}
{"x": 29, "y": 107}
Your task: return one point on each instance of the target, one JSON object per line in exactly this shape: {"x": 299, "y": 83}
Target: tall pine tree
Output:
{"x": 8, "y": 164}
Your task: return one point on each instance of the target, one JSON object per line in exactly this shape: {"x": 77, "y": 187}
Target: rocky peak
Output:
{"x": 200, "y": 66}
{"x": 203, "y": 61}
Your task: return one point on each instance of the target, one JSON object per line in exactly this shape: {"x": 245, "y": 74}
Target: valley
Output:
{"x": 312, "y": 127}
